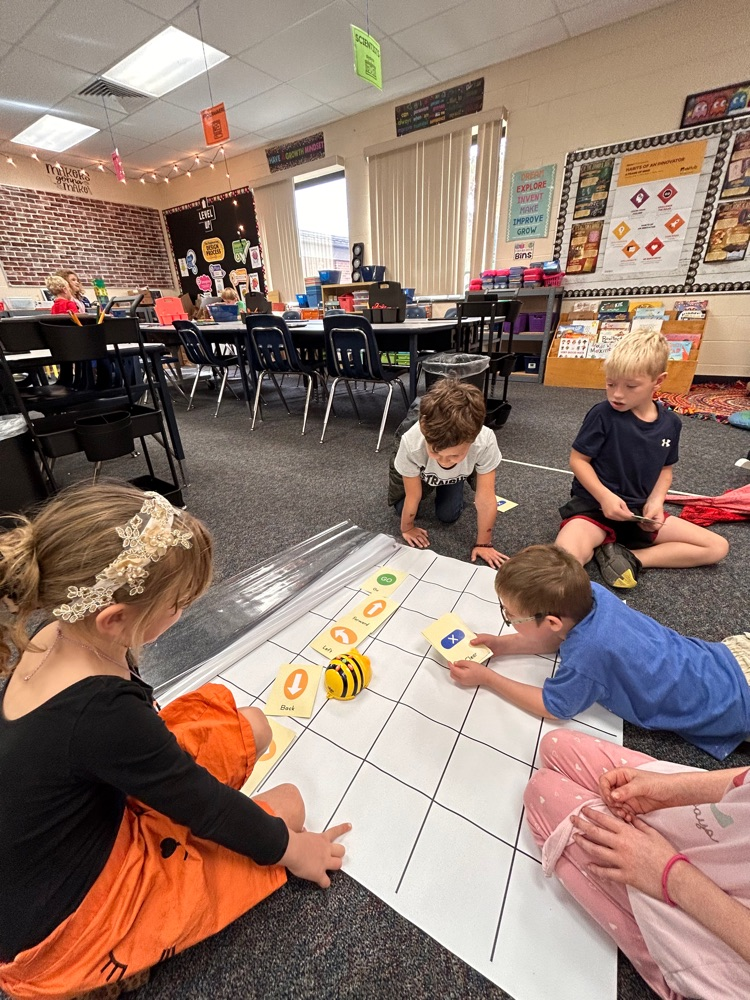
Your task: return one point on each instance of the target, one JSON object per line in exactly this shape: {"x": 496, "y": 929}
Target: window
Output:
{"x": 323, "y": 225}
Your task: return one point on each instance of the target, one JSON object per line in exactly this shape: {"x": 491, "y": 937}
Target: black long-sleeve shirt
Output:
{"x": 65, "y": 771}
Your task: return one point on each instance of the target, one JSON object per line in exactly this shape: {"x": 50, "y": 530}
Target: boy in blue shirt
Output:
{"x": 622, "y": 461}
{"x": 609, "y": 653}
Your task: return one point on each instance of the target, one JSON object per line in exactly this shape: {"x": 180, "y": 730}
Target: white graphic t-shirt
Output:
{"x": 412, "y": 459}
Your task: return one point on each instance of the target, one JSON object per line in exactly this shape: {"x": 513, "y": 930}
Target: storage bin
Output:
{"x": 329, "y": 277}
{"x": 531, "y": 364}
{"x": 536, "y": 322}
{"x": 521, "y": 323}
{"x": 373, "y": 272}
{"x": 169, "y": 491}
{"x": 302, "y": 301}
{"x": 105, "y": 435}
{"x": 391, "y": 314}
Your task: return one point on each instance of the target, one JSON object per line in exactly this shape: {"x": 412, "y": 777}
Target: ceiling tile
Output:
{"x": 603, "y": 12}
{"x": 273, "y": 106}
{"x": 67, "y": 32}
{"x": 36, "y": 82}
{"x": 516, "y": 44}
{"x": 232, "y": 82}
{"x": 166, "y": 9}
{"x": 409, "y": 83}
{"x": 87, "y": 112}
{"x": 301, "y": 123}
{"x": 100, "y": 146}
{"x": 234, "y": 27}
{"x": 458, "y": 30}
{"x": 16, "y": 23}
{"x": 157, "y": 121}
{"x": 331, "y": 82}
{"x": 395, "y": 15}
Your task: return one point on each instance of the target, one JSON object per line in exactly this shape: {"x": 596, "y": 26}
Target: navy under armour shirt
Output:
{"x": 627, "y": 453}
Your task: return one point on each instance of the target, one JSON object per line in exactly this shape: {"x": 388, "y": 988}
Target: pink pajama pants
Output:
{"x": 573, "y": 763}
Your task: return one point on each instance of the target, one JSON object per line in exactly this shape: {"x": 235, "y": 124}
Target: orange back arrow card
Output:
{"x": 281, "y": 739}
{"x": 293, "y": 691}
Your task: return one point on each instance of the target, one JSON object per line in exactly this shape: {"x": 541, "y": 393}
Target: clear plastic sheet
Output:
{"x": 458, "y": 366}
{"x": 240, "y": 613}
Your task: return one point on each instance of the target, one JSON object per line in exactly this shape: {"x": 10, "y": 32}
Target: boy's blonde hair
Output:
{"x": 229, "y": 295}
{"x": 548, "y": 580}
{"x": 74, "y": 537}
{"x": 451, "y": 413}
{"x": 638, "y": 354}
{"x": 58, "y": 285}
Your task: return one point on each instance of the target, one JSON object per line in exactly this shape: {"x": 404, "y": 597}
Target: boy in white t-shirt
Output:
{"x": 448, "y": 445}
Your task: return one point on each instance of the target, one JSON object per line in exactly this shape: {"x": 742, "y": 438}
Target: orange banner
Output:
{"x": 215, "y": 126}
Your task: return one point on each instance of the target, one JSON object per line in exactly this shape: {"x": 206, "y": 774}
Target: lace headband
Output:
{"x": 141, "y": 544}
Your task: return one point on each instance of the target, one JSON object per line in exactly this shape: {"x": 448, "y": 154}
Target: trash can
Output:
{"x": 23, "y": 484}
{"x": 105, "y": 435}
{"x": 471, "y": 368}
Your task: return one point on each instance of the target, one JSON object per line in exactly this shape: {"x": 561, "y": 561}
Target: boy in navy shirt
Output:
{"x": 612, "y": 654}
{"x": 622, "y": 461}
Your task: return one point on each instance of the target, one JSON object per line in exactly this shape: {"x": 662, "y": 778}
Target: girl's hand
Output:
{"x": 491, "y": 556}
{"x": 629, "y": 853}
{"x": 467, "y": 673}
{"x": 416, "y": 537}
{"x": 313, "y": 855}
{"x": 628, "y": 792}
{"x": 655, "y": 514}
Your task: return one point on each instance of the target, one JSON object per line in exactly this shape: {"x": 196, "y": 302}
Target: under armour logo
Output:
{"x": 666, "y": 442}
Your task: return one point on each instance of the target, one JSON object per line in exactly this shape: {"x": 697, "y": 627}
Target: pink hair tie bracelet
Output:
{"x": 665, "y": 875}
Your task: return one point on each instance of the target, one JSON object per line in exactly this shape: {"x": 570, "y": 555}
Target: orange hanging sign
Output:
{"x": 215, "y": 127}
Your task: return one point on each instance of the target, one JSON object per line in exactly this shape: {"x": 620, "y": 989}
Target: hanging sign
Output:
{"x": 530, "y": 202}
{"x": 367, "y": 61}
{"x": 312, "y": 147}
{"x": 117, "y": 163}
{"x": 215, "y": 127}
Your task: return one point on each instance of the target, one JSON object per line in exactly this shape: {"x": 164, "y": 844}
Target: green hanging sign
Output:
{"x": 367, "y": 62}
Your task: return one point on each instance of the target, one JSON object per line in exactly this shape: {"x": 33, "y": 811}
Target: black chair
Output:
{"x": 416, "y": 312}
{"x": 471, "y": 336}
{"x": 129, "y": 302}
{"x": 353, "y": 355}
{"x": 291, "y": 314}
{"x": 451, "y": 313}
{"x": 200, "y": 351}
{"x": 274, "y": 353}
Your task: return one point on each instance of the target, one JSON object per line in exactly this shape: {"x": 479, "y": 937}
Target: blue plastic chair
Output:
{"x": 201, "y": 352}
{"x": 352, "y": 355}
{"x": 416, "y": 312}
{"x": 274, "y": 353}
{"x": 291, "y": 314}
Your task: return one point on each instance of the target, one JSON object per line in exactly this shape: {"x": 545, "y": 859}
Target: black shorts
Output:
{"x": 627, "y": 533}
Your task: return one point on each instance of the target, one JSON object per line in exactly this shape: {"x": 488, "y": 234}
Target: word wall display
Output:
{"x": 666, "y": 214}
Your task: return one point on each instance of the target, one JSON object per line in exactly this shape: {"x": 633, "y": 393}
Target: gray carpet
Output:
{"x": 261, "y": 492}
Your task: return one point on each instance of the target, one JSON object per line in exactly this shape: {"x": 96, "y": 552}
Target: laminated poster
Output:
{"x": 593, "y": 189}
{"x": 730, "y": 234}
{"x": 737, "y": 179}
{"x": 585, "y": 240}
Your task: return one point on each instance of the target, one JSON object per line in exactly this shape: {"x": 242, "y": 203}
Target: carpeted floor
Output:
{"x": 264, "y": 491}
{"x": 709, "y": 401}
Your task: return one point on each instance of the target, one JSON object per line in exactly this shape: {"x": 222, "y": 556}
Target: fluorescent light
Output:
{"x": 51, "y": 132}
{"x": 167, "y": 61}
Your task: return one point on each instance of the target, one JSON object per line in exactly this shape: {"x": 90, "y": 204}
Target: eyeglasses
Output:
{"x": 518, "y": 621}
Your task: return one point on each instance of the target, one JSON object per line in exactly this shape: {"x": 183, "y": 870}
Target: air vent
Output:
{"x": 103, "y": 88}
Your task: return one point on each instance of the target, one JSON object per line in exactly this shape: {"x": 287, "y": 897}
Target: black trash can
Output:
{"x": 106, "y": 435}
{"x": 23, "y": 483}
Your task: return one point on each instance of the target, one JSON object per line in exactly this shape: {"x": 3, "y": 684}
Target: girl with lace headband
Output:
{"x": 125, "y": 838}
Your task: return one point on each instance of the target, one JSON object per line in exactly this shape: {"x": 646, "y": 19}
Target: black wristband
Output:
{"x": 487, "y": 545}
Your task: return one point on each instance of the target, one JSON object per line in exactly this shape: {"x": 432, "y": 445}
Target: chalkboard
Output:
{"x": 445, "y": 106}
{"x": 216, "y": 245}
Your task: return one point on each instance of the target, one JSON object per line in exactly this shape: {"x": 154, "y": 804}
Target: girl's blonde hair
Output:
{"x": 57, "y": 284}
{"x": 638, "y": 354}
{"x": 72, "y": 538}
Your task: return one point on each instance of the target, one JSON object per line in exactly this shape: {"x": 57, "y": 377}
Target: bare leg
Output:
{"x": 260, "y": 727}
{"x": 286, "y": 802}
{"x": 580, "y": 537}
{"x": 681, "y": 543}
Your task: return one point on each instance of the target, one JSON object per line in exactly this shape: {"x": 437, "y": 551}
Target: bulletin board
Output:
{"x": 666, "y": 214}
{"x": 215, "y": 243}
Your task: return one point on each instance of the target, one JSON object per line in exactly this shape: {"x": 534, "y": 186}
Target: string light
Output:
{"x": 143, "y": 180}
{"x": 57, "y": 165}
{"x": 197, "y": 161}
{"x": 154, "y": 176}
{"x": 211, "y": 166}
{"x": 188, "y": 173}
{"x": 101, "y": 167}
{"x": 166, "y": 180}
{"x": 10, "y": 161}
{"x": 176, "y": 168}
{"x": 34, "y": 156}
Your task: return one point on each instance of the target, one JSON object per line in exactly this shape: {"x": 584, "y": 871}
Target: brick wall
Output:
{"x": 41, "y": 231}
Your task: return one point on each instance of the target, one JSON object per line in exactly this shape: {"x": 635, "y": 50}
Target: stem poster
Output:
{"x": 585, "y": 240}
{"x": 593, "y": 189}
{"x": 530, "y": 203}
{"x": 730, "y": 234}
{"x": 737, "y": 179}
{"x": 652, "y": 204}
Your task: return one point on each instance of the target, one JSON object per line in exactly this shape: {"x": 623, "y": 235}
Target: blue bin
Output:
{"x": 329, "y": 277}
{"x": 373, "y": 272}
{"x": 302, "y": 301}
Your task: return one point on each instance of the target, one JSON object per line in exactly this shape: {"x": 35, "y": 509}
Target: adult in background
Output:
{"x": 75, "y": 286}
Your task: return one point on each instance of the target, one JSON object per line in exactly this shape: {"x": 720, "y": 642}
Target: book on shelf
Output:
{"x": 646, "y": 324}
{"x": 679, "y": 350}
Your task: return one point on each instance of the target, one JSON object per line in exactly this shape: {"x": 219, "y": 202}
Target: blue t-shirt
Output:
{"x": 651, "y": 676}
{"x": 626, "y": 453}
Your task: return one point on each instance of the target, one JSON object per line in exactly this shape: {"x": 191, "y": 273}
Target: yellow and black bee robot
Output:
{"x": 347, "y": 674}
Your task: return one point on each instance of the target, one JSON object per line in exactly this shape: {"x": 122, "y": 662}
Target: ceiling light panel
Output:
{"x": 51, "y": 132}
{"x": 170, "y": 59}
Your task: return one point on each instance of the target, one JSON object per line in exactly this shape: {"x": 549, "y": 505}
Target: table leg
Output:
{"x": 413, "y": 348}
{"x": 164, "y": 403}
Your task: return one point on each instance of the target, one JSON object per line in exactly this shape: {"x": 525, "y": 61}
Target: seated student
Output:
{"x": 622, "y": 458}
{"x": 610, "y": 653}
{"x": 446, "y": 443}
{"x": 657, "y": 855}
{"x": 76, "y": 287}
{"x": 64, "y": 301}
{"x": 124, "y": 835}
{"x": 231, "y": 297}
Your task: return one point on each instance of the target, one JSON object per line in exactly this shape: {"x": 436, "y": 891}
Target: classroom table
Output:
{"x": 412, "y": 335}
{"x": 154, "y": 352}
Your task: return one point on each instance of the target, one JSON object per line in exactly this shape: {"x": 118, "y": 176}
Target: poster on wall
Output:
{"x": 715, "y": 105}
{"x": 530, "y": 203}
{"x": 593, "y": 189}
{"x": 585, "y": 240}
{"x": 445, "y": 106}
{"x": 730, "y": 234}
{"x": 208, "y": 238}
{"x": 311, "y": 147}
{"x": 737, "y": 178}
{"x": 652, "y": 205}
